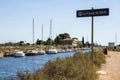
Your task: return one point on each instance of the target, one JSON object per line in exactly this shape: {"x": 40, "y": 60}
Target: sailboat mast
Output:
{"x": 50, "y": 34}
{"x": 42, "y": 32}
{"x": 33, "y": 33}
{"x": 41, "y": 36}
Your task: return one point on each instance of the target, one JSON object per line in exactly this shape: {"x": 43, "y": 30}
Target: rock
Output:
{"x": 101, "y": 72}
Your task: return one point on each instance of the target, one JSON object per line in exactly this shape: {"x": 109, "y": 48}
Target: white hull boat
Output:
{"x": 41, "y": 52}
{"x": 19, "y": 54}
{"x": 52, "y": 51}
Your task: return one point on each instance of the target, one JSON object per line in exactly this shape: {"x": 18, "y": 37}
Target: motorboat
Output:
{"x": 19, "y": 54}
{"x": 52, "y": 51}
{"x": 41, "y": 52}
{"x": 31, "y": 53}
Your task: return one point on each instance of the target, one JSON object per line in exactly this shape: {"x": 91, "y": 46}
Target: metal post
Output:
{"x": 92, "y": 35}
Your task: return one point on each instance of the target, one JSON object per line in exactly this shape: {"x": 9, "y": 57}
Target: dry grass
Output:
{"x": 78, "y": 67}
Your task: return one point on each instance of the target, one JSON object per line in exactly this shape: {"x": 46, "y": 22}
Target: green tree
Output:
{"x": 49, "y": 41}
{"x": 21, "y": 43}
{"x": 38, "y": 42}
{"x": 83, "y": 42}
{"x": 59, "y": 39}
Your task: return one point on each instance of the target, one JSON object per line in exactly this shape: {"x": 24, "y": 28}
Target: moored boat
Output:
{"x": 61, "y": 51}
{"x": 52, "y": 51}
{"x": 31, "y": 53}
{"x": 19, "y": 54}
{"x": 41, "y": 52}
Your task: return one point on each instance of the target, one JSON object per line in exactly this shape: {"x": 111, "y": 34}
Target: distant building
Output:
{"x": 73, "y": 41}
{"x": 67, "y": 41}
{"x": 111, "y": 44}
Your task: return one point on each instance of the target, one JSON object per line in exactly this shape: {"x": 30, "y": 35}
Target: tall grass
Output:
{"x": 78, "y": 67}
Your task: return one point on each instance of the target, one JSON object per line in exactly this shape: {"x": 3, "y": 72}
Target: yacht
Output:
{"x": 41, "y": 52}
{"x": 19, "y": 54}
{"x": 31, "y": 53}
{"x": 52, "y": 51}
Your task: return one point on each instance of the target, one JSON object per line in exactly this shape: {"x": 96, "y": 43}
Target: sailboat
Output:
{"x": 51, "y": 50}
{"x": 32, "y": 52}
{"x": 41, "y": 52}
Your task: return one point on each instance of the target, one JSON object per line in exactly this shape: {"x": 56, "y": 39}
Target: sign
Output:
{"x": 93, "y": 12}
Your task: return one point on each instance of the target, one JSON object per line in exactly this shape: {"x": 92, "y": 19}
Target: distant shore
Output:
{"x": 8, "y": 50}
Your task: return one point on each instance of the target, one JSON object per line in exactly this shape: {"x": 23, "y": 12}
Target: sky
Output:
{"x": 16, "y": 20}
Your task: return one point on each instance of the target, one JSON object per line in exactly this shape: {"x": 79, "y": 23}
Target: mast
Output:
{"x": 42, "y": 32}
{"x": 115, "y": 39}
{"x": 50, "y": 34}
{"x": 42, "y": 35}
{"x": 33, "y": 33}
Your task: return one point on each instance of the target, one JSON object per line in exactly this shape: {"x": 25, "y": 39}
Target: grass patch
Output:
{"x": 78, "y": 67}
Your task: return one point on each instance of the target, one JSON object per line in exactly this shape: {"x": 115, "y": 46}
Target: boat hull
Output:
{"x": 19, "y": 54}
{"x": 52, "y": 51}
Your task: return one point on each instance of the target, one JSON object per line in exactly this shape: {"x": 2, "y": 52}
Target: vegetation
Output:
{"x": 59, "y": 39}
{"x": 78, "y": 67}
{"x": 83, "y": 42}
{"x": 114, "y": 48}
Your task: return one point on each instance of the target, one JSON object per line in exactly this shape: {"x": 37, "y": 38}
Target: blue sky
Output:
{"x": 16, "y": 19}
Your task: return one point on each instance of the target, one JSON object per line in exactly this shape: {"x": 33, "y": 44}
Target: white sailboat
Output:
{"x": 50, "y": 50}
{"x": 32, "y": 52}
{"x": 41, "y": 52}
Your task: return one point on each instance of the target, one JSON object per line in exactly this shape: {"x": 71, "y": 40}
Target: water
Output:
{"x": 9, "y": 66}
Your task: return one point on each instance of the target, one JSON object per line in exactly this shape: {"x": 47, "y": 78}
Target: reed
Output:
{"x": 78, "y": 67}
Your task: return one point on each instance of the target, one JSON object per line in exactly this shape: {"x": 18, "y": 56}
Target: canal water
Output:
{"x": 9, "y": 66}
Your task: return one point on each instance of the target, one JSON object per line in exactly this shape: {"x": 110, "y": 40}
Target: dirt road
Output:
{"x": 112, "y": 67}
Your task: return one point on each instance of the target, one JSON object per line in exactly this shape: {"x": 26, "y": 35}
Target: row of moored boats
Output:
{"x": 38, "y": 52}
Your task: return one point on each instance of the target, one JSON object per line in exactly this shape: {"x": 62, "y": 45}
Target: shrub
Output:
{"x": 78, "y": 67}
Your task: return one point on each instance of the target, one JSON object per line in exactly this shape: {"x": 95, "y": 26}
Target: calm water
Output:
{"x": 9, "y": 66}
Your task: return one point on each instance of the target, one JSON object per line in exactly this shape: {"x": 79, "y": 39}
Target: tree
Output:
{"x": 59, "y": 39}
{"x": 80, "y": 44}
{"x": 83, "y": 42}
{"x": 49, "y": 41}
{"x": 38, "y": 42}
{"x": 87, "y": 44}
{"x": 21, "y": 43}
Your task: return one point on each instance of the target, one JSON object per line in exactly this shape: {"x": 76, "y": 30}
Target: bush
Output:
{"x": 78, "y": 67}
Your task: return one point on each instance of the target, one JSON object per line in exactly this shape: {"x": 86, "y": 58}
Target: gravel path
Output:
{"x": 112, "y": 67}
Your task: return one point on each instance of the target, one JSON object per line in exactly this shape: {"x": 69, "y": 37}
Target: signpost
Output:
{"x": 92, "y": 13}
